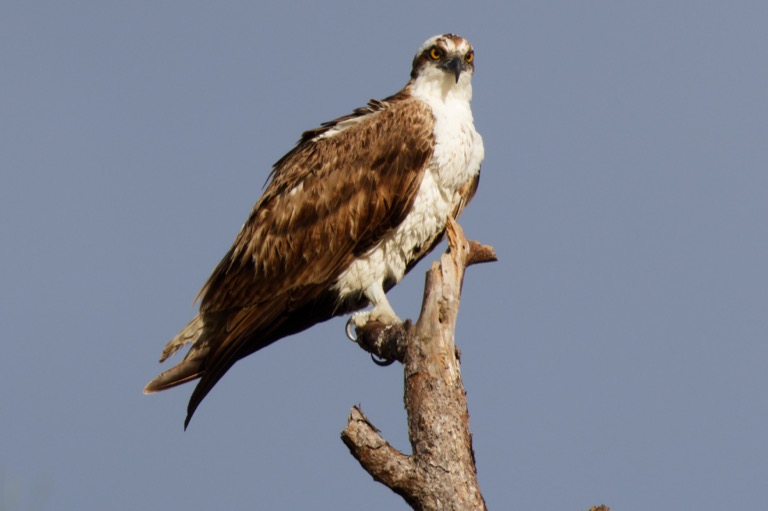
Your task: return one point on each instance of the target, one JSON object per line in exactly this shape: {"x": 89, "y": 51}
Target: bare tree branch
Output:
{"x": 386, "y": 464}
{"x": 440, "y": 473}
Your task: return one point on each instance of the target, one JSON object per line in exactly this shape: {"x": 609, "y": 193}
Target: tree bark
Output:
{"x": 440, "y": 474}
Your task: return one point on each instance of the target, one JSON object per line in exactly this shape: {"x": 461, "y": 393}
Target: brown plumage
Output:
{"x": 337, "y": 194}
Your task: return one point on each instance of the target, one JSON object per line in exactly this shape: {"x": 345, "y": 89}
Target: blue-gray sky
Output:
{"x": 616, "y": 353}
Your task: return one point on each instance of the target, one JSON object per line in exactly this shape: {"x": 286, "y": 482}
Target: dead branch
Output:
{"x": 440, "y": 473}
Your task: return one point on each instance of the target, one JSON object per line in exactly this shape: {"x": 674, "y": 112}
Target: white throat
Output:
{"x": 434, "y": 85}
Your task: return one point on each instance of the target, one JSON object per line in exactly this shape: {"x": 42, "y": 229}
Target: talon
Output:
{"x": 382, "y": 362}
{"x": 350, "y": 329}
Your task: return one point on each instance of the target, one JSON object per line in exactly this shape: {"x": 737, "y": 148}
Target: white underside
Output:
{"x": 456, "y": 161}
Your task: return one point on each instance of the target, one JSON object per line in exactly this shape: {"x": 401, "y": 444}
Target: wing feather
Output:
{"x": 330, "y": 199}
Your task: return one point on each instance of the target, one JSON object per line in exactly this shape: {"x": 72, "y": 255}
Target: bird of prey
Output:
{"x": 346, "y": 214}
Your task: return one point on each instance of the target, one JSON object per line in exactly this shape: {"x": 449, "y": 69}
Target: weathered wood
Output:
{"x": 440, "y": 474}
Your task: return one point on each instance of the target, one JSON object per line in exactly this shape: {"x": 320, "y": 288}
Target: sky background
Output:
{"x": 617, "y": 353}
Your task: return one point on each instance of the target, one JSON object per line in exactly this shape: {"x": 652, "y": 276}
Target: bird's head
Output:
{"x": 446, "y": 60}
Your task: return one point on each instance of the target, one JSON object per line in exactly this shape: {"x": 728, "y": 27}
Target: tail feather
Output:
{"x": 191, "y": 367}
{"x": 186, "y": 370}
{"x": 189, "y": 334}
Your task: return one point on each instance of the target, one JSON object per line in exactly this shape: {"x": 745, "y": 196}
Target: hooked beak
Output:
{"x": 454, "y": 65}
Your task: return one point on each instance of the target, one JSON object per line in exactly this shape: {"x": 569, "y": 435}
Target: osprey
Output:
{"x": 346, "y": 214}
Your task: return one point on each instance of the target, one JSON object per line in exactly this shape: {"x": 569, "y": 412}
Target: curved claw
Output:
{"x": 350, "y": 330}
{"x": 382, "y": 362}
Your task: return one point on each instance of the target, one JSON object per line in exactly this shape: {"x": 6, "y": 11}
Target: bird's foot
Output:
{"x": 358, "y": 320}
{"x": 351, "y": 328}
{"x": 381, "y": 335}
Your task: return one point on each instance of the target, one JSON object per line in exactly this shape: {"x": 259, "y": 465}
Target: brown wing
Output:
{"x": 330, "y": 199}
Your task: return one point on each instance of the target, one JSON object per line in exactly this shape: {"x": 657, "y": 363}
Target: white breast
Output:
{"x": 456, "y": 160}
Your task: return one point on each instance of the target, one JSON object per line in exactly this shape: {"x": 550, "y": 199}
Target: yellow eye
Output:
{"x": 469, "y": 57}
{"x": 435, "y": 53}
